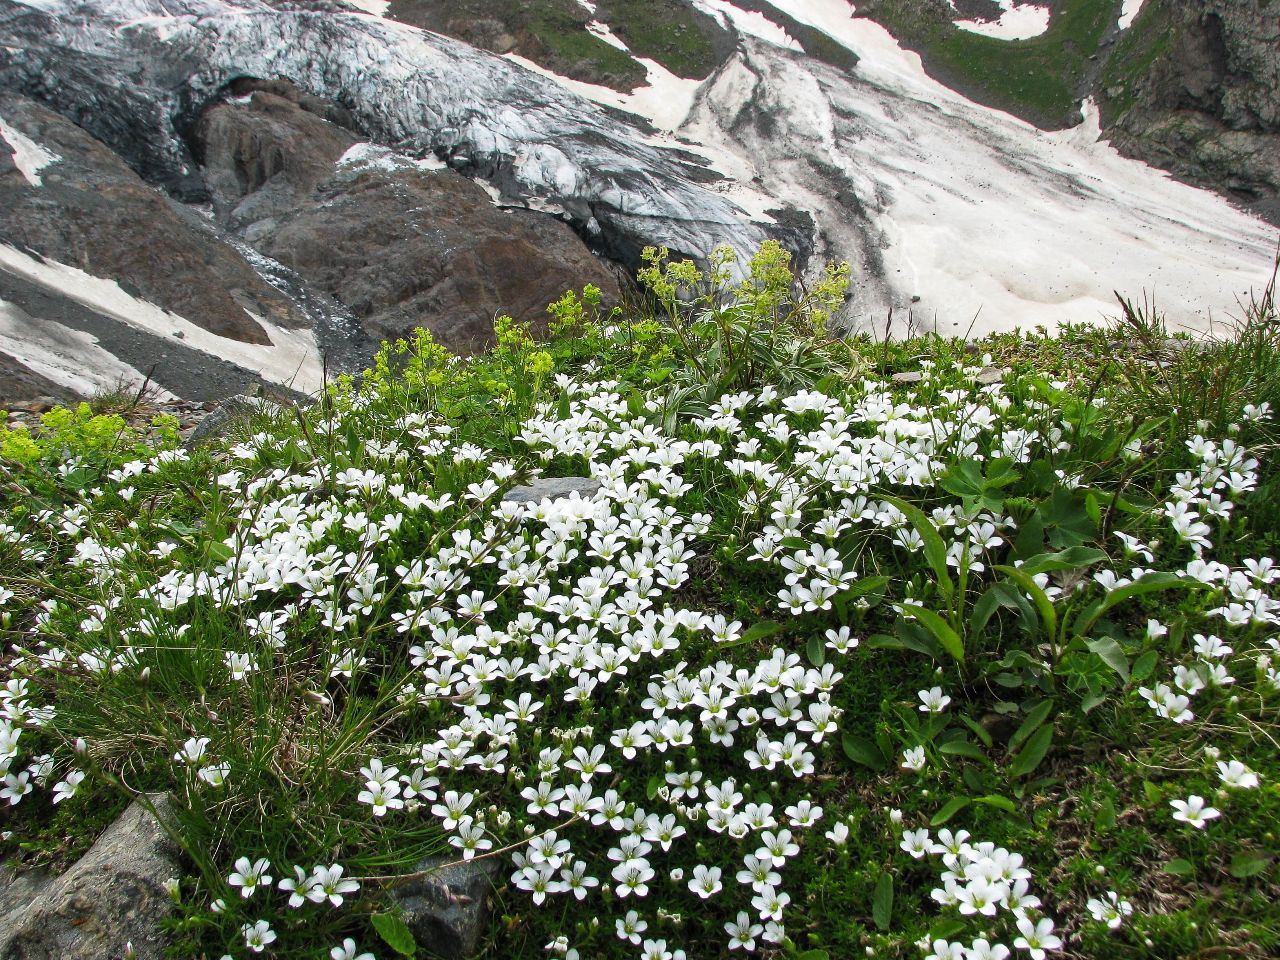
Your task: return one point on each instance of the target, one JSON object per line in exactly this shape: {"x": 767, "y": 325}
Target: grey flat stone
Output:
{"x": 909, "y": 376}
{"x": 448, "y": 908}
{"x": 991, "y": 375}
{"x": 552, "y": 488}
{"x": 113, "y": 896}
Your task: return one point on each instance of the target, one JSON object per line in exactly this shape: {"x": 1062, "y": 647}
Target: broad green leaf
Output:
{"x": 1033, "y": 753}
{"x": 395, "y": 933}
{"x": 962, "y": 748}
{"x": 1143, "y": 666}
{"x": 1043, "y": 605}
{"x": 1180, "y": 867}
{"x": 1112, "y": 655}
{"x": 978, "y": 729}
{"x": 755, "y": 632}
{"x": 949, "y": 810}
{"x": 997, "y": 801}
{"x": 935, "y": 551}
{"x": 863, "y": 751}
{"x": 815, "y": 651}
{"x": 562, "y": 408}
{"x": 1035, "y": 716}
{"x": 1248, "y": 864}
{"x": 865, "y": 585}
{"x": 1072, "y": 558}
{"x": 884, "y": 641}
{"x": 652, "y": 787}
{"x": 947, "y": 638}
{"x": 947, "y": 929}
{"x": 882, "y": 901}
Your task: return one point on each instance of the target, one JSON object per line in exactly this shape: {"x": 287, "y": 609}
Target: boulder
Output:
{"x": 552, "y": 488}
{"x": 446, "y": 906}
{"x": 113, "y": 897}
{"x": 404, "y": 247}
{"x": 270, "y": 149}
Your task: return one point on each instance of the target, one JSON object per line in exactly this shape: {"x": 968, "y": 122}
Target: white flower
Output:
{"x": 913, "y": 758}
{"x": 1037, "y": 938}
{"x": 348, "y": 952}
{"x": 1193, "y": 811}
{"x": 1111, "y": 910}
{"x": 706, "y": 881}
{"x": 66, "y": 788}
{"x": 933, "y": 700}
{"x": 249, "y": 876}
{"x": 258, "y": 935}
{"x": 742, "y": 932}
{"x": 1235, "y": 774}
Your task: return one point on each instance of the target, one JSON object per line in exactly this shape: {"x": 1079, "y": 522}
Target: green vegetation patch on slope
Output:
{"x": 1040, "y": 79}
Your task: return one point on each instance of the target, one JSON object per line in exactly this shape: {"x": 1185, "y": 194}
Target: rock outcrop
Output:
{"x": 1194, "y": 87}
{"x": 399, "y": 242}
{"x": 90, "y": 211}
{"x": 113, "y": 898}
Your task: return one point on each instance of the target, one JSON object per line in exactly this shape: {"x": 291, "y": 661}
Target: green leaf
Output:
{"x": 1248, "y": 864}
{"x": 863, "y": 751}
{"x": 884, "y": 641}
{"x": 865, "y": 585}
{"x": 815, "y": 651}
{"x": 1043, "y": 605}
{"x": 978, "y": 729}
{"x": 1149, "y": 583}
{"x": 1072, "y": 558}
{"x": 814, "y": 955}
{"x": 947, "y": 929}
{"x": 949, "y": 810}
{"x": 758, "y": 631}
{"x": 882, "y": 901}
{"x": 1036, "y": 716}
{"x": 1143, "y": 666}
{"x": 947, "y": 638}
{"x": 935, "y": 551}
{"x": 962, "y": 748}
{"x": 562, "y": 408}
{"x": 1105, "y": 819}
{"x": 652, "y": 787}
{"x": 997, "y": 801}
{"x": 1112, "y": 655}
{"x": 395, "y": 933}
{"x": 1033, "y": 753}
{"x": 1180, "y": 867}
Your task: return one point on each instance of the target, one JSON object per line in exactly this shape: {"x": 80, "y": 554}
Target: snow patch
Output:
{"x": 1018, "y": 21}
{"x": 291, "y": 358}
{"x": 377, "y": 8}
{"x": 1129, "y": 12}
{"x": 29, "y": 157}
{"x": 371, "y": 156}
{"x": 748, "y": 22}
{"x": 70, "y": 358}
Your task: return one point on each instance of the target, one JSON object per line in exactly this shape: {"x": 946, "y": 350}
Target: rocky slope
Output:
{"x": 1194, "y": 87}
{"x": 267, "y": 188}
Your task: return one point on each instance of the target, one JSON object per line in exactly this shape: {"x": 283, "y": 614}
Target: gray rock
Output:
{"x": 113, "y": 896}
{"x": 990, "y": 375}
{"x": 447, "y": 909}
{"x": 230, "y": 412}
{"x": 552, "y": 488}
{"x": 908, "y": 376}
